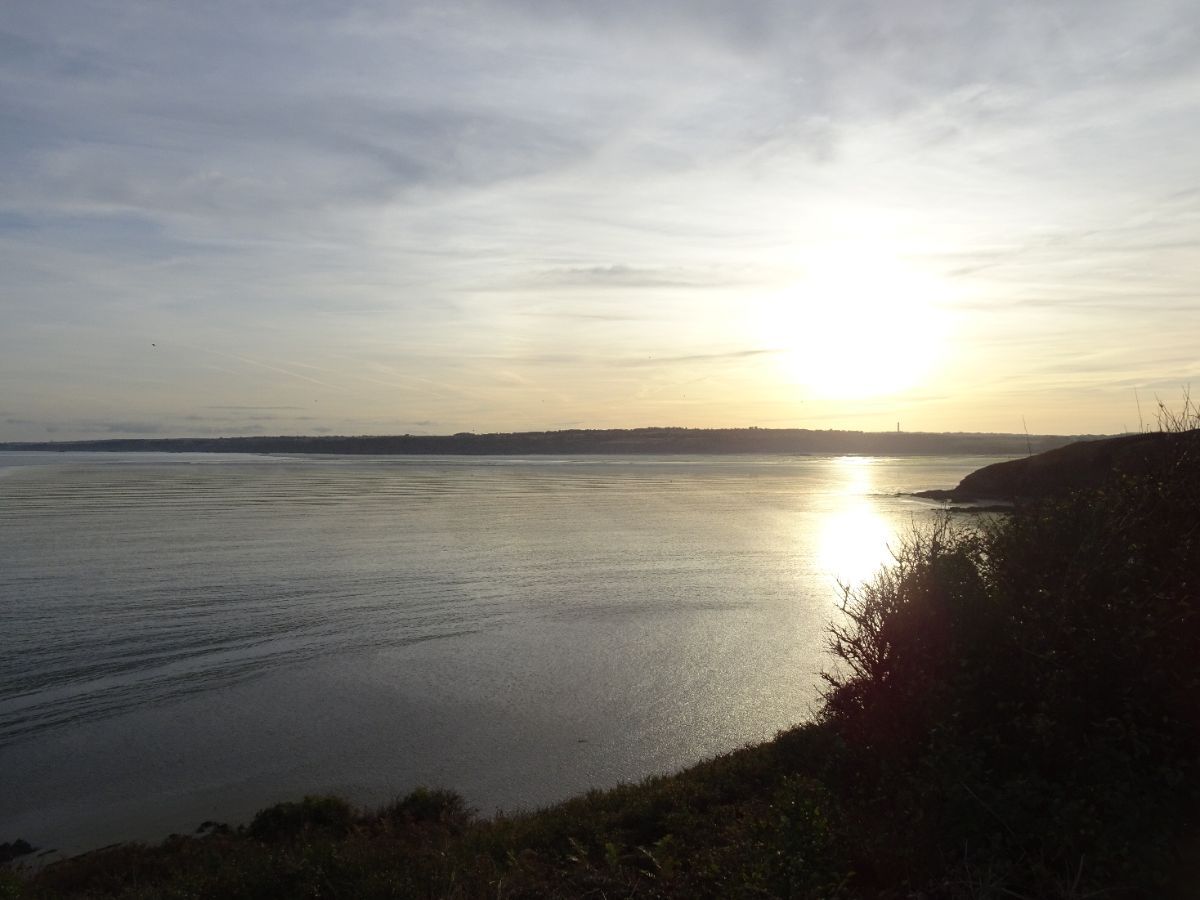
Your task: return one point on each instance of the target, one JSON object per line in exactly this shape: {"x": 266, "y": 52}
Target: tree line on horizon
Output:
{"x": 590, "y": 441}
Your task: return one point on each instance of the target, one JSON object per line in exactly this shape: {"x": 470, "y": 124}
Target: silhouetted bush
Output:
{"x": 331, "y": 815}
{"x": 1022, "y": 696}
{"x": 425, "y": 806}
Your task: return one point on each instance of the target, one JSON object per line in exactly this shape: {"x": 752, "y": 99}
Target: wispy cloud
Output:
{"x": 626, "y": 276}
{"x": 254, "y": 408}
{"x": 652, "y": 360}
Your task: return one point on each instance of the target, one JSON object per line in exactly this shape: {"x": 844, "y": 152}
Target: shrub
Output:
{"x": 426, "y": 806}
{"x": 331, "y": 815}
{"x": 905, "y": 634}
{"x": 1021, "y": 695}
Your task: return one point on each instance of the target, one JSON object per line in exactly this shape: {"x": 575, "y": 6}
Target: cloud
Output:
{"x": 698, "y": 357}
{"x": 627, "y": 276}
{"x": 103, "y": 427}
{"x": 234, "y": 408}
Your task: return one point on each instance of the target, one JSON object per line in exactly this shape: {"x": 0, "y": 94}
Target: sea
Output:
{"x": 191, "y": 637}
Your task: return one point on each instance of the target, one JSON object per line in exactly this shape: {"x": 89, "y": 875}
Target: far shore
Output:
{"x": 796, "y": 441}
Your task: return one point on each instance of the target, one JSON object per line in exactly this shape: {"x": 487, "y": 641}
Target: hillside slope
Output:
{"x": 1078, "y": 466}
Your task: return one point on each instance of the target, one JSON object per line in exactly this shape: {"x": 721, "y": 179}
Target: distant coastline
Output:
{"x": 592, "y": 441}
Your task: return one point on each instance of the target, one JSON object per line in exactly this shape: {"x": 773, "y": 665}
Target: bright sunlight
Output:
{"x": 860, "y": 323}
{"x": 853, "y": 538}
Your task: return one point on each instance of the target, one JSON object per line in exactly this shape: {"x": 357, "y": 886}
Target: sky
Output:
{"x": 239, "y": 218}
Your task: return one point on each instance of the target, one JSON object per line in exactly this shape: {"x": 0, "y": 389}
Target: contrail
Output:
{"x": 270, "y": 368}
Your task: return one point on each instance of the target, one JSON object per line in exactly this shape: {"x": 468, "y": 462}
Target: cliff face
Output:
{"x": 1084, "y": 464}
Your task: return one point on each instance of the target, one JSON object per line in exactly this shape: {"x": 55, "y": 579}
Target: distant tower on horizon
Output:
{"x": 897, "y": 428}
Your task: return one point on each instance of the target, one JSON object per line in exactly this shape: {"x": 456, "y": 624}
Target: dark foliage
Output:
{"x": 1020, "y": 699}
{"x": 327, "y": 815}
{"x": 429, "y": 807}
{"x": 15, "y": 849}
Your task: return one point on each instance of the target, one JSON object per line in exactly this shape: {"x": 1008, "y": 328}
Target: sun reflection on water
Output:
{"x": 853, "y": 541}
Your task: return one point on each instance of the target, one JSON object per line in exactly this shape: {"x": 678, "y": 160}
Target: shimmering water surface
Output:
{"x": 188, "y": 637}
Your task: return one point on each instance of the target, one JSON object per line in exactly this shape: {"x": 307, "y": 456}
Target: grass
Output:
{"x": 1015, "y": 715}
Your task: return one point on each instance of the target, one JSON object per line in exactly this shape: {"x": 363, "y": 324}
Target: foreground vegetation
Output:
{"x": 1015, "y": 714}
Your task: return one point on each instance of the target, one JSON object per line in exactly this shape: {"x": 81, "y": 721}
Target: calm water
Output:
{"x": 189, "y": 637}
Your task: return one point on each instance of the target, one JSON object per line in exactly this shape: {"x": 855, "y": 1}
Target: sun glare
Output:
{"x": 858, "y": 324}
{"x": 853, "y": 539}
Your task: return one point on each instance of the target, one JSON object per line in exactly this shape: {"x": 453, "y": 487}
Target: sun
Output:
{"x": 858, "y": 324}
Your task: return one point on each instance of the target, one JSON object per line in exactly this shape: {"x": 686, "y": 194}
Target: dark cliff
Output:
{"x": 1078, "y": 466}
